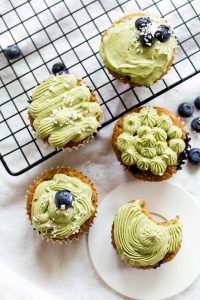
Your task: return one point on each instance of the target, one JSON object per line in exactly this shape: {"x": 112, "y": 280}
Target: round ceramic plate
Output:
{"x": 171, "y": 278}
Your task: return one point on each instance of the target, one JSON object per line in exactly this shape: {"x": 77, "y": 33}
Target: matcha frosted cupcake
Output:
{"x": 140, "y": 240}
{"x": 61, "y": 204}
{"x": 150, "y": 142}
{"x": 64, "y": 112}
{"x": 138, "y": 49}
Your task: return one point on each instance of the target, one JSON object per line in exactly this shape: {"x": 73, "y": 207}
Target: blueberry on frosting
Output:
{"x": 146, "y": 38}
{"x": 163, "y": 33}
{"x": 142, "y": 22}
{"x": 64, "y": 199}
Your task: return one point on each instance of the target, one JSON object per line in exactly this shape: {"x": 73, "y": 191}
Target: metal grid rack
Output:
{"x": 40, "y": 27}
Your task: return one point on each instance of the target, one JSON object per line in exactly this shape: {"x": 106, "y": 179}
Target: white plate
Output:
{"x": 172, "y": 277}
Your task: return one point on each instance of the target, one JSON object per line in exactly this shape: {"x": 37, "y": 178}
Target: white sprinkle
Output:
{"x": 62, "y": 206}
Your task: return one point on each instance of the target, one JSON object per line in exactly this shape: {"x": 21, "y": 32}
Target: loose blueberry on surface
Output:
{"x": 59, "y": 68}
{"x": 12, "y": 52}
{"x": 197, "y": 102}
{"x": 163, "y": 33}
{"x": 194, "y": 156}
{"x": 142, "y": 22}
{"x": 64, "y": 199}
{"x": 146, "y": 39}
{"x": 185, "y": 109}
{"x": 196, "y": 124}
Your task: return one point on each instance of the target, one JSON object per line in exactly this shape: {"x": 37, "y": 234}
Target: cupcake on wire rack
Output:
{"x": 64, "y": 112}
{"x": 61, "y": 204}
{"x": 150, "y": 142}
{"x": 138, "y": 49}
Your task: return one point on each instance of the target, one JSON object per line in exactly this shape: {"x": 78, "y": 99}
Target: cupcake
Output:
{"x": 138, "y": 49}
{"x": 64, "y": 112}
{"x": 61, "y": 204}
{"x": 141, "y": 241}
{"x": 150, "y": 142}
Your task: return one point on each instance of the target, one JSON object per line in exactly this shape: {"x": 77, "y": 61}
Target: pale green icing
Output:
{"x": 139, "y": 240}
{"x": 170, "y": 157}
{"x": 143, "y": 163}
{"x": 143, "y": 130}
{"x": 174, "y": 132}
{"x": 158, "y": 166}
{"x": 62, "y": 111}
{"x": 53, "y": 222}
{"x": 150, "y": 148}
{"x": 122, "y": 53}
{"x": 177, "y": 145}
{"x": 164, "y": 122}
{"x": 159, "y": 134}
{"x": 130, "y": 156}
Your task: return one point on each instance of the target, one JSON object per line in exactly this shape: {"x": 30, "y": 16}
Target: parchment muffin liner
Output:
{"x": 123, "y": 78}
{"x": 47, "y": 175}
{"x": 168, "y": 257}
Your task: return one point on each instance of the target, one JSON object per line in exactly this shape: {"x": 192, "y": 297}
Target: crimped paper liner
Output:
{"x": 147, "y": 175}
{"x": 47, "y": 175}
{"x": 71, "y": 146}
{"x": 168, "y": 257}
{"x": 123, "y": 78}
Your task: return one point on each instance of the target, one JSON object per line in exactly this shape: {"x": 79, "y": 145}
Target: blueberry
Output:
{"x": 12, "y": 52}
{"x": 146, "y": 39}
{"x": 64, "y": 199}
{"x": 59, "y": 68}
{"x": 197, "y": 102}
{"x": 163, "y": 33}
{"x": 186, "y": 109}
{"x": 194, "y": 156}
{"x": 196, "y": 124}
{"x": 142, "y": 22}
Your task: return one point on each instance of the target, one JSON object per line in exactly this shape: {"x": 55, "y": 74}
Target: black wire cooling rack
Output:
{"x": 42, "y": 27}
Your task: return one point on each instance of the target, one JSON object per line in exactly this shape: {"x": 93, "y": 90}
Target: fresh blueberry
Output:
{"x": 163, "y": 33}
{"x": 64, "y": 199}
{"x": 196, "y": 124}
{"x": 146, "y": 39}
{"x": 142, "y": 22}
{"x": 59, "y": 68}
{"x": 197, "y": 102}
{"x": 12, "y": 52}
{"x": 194, "y": 156}
{"x": 185, "y": 109}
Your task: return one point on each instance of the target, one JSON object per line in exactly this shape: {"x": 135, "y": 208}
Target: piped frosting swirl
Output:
{"x": 139, "y": 240}
{"x": 62, "y": 111}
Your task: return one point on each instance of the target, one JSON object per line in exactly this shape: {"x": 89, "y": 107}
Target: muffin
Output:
{"x": 61, "y": 204}
{"x": 141, "y": 241}
{"x": 138, "y": 49}
{"x": 64, "y": 112}
{"x": 150, "y": 142}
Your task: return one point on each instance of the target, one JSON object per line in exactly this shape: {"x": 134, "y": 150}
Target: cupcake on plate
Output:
{"x": 150, "y": 142}
{"x": 61, "y": 204}
{"x": 141, "y": 241}
{"x": 138, "y": 49}
{"x": 64, "y": 112}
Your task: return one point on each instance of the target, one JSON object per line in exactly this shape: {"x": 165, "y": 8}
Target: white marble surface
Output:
{"x": 66, "y": 272}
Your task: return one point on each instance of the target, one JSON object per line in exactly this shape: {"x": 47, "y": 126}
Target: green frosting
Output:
{"x": 62, "y": 111}
{"x": 139, "y": 240}
{"x": 122, "y": 52}
{"x": 53, "y": 222}
{"x": 151, "y": 147}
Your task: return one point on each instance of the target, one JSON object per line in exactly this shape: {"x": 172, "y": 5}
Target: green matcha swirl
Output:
{"x": 54, "y": 222}
{"x": 153, "y": 146}
{"x": 139, "y": 240}
{"x": 62, "y": 111}
{"x": 122, "y": 53}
